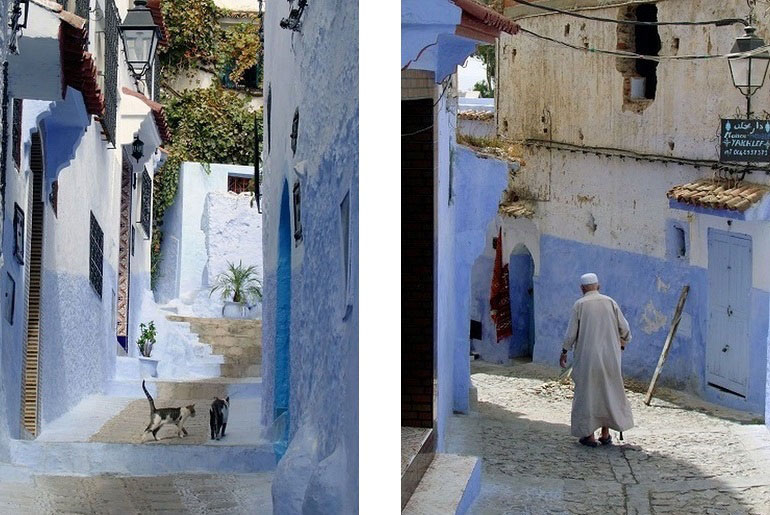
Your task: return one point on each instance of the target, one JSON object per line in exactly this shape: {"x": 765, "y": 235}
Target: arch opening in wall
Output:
{"x": 640, "y": 82}
{"x": 521, "y": 284}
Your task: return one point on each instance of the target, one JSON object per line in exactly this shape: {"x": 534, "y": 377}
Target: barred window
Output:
{"x": 96, "y": 265}
{"x": 17, "y": 111}
{"x": 18, "y": 233}
{"x": 146, "y": 202}
{"x": 238, "y": 184}
{"x": 111, "y": 41}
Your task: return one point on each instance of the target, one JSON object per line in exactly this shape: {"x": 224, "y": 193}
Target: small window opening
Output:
{"x": 238, "y": 184}
{"x": 475, "y": 330}
{"x": 647, "y": 43}
{"x": 681, "y": 245}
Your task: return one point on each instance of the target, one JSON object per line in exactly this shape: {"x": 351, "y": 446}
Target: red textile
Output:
{"x": 500, "y": 299}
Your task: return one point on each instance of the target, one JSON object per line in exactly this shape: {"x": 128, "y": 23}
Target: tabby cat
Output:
{"x": 163, "y": 416}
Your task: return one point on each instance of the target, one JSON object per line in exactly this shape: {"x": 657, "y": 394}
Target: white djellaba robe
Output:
{"x": 595, "y": 329}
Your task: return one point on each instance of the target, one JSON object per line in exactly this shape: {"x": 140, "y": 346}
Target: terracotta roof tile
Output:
{"x": 78, "y": 66}
{"x": 158, "y": 113}
{"x": 157, "y": 17}
{"x": 482, "y": 23}
{"x": 471, "y": 114}
{"x": 719, "y": 194}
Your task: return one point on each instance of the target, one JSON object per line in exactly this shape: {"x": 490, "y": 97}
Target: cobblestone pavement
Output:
{"x": 181, "y": 494}
{"x": 683, "y": 456}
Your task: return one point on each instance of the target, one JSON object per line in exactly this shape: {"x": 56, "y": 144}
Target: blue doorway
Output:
{"x": 521, "y": 270}
{"x": 281, "y": 414}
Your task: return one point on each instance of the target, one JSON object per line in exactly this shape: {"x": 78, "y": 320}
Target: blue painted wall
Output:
{"x": 477, "y": 183}
{"x": 283, "y": 325}
{"x": 632, "y": 280}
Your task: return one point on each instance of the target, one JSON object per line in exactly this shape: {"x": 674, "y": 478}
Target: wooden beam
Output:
{"x": 667, "y": 343}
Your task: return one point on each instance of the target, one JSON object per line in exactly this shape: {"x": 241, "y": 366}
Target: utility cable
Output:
{"x": 718, "y": 23}
{"x": 658, "y": 58}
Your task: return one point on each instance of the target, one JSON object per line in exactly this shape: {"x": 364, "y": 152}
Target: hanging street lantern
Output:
{"x": 137, "y": 148}
{"x": 140, "y": 38}
{"x": 749, "y": 72}
{"x": 18, "y": 21}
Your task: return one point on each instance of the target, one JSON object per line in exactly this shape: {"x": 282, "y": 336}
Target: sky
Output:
{"x": 473, "y": 72}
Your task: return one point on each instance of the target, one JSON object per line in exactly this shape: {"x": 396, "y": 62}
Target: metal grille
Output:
{"x": 96, "y": 256}
{"x": 146, "y": 202}
{"x": 17, "y": 106}
{"x": 4, "y": 131}
{"x": 82, "y": 8}
{"x": 111, "y": 42}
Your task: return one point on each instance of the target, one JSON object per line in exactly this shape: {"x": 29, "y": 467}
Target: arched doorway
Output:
{"x": 521, "y": 268}
{"x": 283, "y": 329}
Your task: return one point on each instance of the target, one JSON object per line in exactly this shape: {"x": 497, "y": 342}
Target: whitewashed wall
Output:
{"x": 184, "y": 253}
{"x": 4, "y": 429}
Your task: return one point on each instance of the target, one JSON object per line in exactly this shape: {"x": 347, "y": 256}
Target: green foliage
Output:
{"x": 482, "y": 88}
{"x": 487, "y": 55}
{"x": 239, "y": 283}
{"x": 198, "y": 40}
{"x": 146, "y": 338}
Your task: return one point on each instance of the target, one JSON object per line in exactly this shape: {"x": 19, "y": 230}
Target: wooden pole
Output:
{"x": 667, "y": 344}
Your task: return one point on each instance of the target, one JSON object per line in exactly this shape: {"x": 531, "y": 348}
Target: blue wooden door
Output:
{"x": 727, "y": 350}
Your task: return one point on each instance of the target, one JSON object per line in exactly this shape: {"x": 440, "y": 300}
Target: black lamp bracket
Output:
{"x": 294, "y": 20}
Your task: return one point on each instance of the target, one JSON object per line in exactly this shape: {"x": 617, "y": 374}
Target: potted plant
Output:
{"x": 145, "y": 343}
{"x": 239, "y": 285}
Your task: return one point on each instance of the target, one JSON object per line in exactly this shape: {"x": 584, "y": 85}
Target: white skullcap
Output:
{"x": 587, "y": 279}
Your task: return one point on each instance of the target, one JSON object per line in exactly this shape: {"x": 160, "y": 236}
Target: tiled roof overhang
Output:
{"x": 78, "y": 66}
{"x": 158, "y": 113}
{"x": 719, "y": 194}
{"x": 482, "y": 23}
{"x": 157, "y": 17}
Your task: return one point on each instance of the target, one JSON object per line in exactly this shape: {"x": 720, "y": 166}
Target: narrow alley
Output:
{"x": 684, "y": 455}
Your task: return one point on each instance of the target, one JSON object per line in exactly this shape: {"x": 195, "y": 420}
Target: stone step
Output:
{"x": 219, "y": 325}
{"x": 235, "y": 370}
{"x": 252, "y": 354}
{"x": 235, "y": 387}
{"x": 450, "y": 485}
{"x": 231, "y": 341}
{"x": 91, "y": 458}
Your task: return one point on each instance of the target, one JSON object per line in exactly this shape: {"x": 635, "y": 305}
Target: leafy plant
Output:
{"x": 146, "y": 339}
{"x": 238, "y": 283}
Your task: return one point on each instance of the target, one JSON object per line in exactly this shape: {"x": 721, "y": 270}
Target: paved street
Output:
{"x": 197, "y": 494}
{"x": 683, "y": 456}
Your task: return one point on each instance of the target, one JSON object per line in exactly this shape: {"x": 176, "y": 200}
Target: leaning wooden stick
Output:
{"x": 667, "y": 344}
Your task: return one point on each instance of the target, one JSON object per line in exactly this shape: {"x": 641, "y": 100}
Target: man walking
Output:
{"x": 598, "y": 331}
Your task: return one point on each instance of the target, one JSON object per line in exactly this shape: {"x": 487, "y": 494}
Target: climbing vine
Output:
{"x": 208, "y": 125}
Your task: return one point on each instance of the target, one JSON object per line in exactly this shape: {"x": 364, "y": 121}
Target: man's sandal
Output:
{"x": 588, "y": 442}
{"x": 606, "y": 441}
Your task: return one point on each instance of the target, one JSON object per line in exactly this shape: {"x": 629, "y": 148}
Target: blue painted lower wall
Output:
{"x": 646, "y": 289}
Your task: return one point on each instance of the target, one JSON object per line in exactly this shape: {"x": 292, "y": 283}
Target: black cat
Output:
{"x": 218, "y": 417}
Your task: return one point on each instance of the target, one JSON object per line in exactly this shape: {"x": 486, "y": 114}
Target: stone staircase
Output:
{"x": 238, "y": 341}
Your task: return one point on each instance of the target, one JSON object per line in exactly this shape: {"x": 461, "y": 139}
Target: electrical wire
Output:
{"x": 718, "y": 23}
{"x": 657, "y": 58}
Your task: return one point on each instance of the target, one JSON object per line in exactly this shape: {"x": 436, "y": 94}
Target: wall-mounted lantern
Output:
{"x": 140, "y": 38}
{"x": 18, "y": 21}
{"x": 749, "y": 72}
{"x": 137, "y": 149}
{"x": 293, "y": 21}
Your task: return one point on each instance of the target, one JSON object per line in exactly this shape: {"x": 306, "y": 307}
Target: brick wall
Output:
{"x": 417, "y": 84}
{"x": 417, "y": 263}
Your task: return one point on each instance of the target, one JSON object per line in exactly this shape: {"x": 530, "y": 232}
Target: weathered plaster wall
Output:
{"x": 304, "y": 71}
{"x": 184, "y": 254}
{"x": 597, "y": 219}
{"x": 582, "y": 92}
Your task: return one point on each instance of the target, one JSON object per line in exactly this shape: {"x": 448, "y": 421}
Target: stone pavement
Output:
{"x": 195, "y": 494}
{"x": 683, "y": 456}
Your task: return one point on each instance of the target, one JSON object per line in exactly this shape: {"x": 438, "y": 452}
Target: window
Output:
{"x": 294, "y": 131}
{"x": 677, "y": 244}
{"x": 641, "y": 81}
{"x": 681, "y": 247}
{"x": 238, "y": 184}
{"x": 9, "y": 297}
{"x": 109, "y": 68}
{"x": 475, "y": 330}
{"x": 53, "y": 198}
{"x": 96, "y": 265}
{"x": 17, "y": 116}
{"x": 18, "y": 231}
{"x": 297, "y": 214}
{"x": 146, "y": 214}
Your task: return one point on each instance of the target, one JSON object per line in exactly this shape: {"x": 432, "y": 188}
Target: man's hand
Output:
{"x": 563, "y": 361}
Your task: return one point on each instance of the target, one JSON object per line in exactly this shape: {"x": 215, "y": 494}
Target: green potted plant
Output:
{"x": 145, "y": 343}
{"x": 238, "y": 285}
